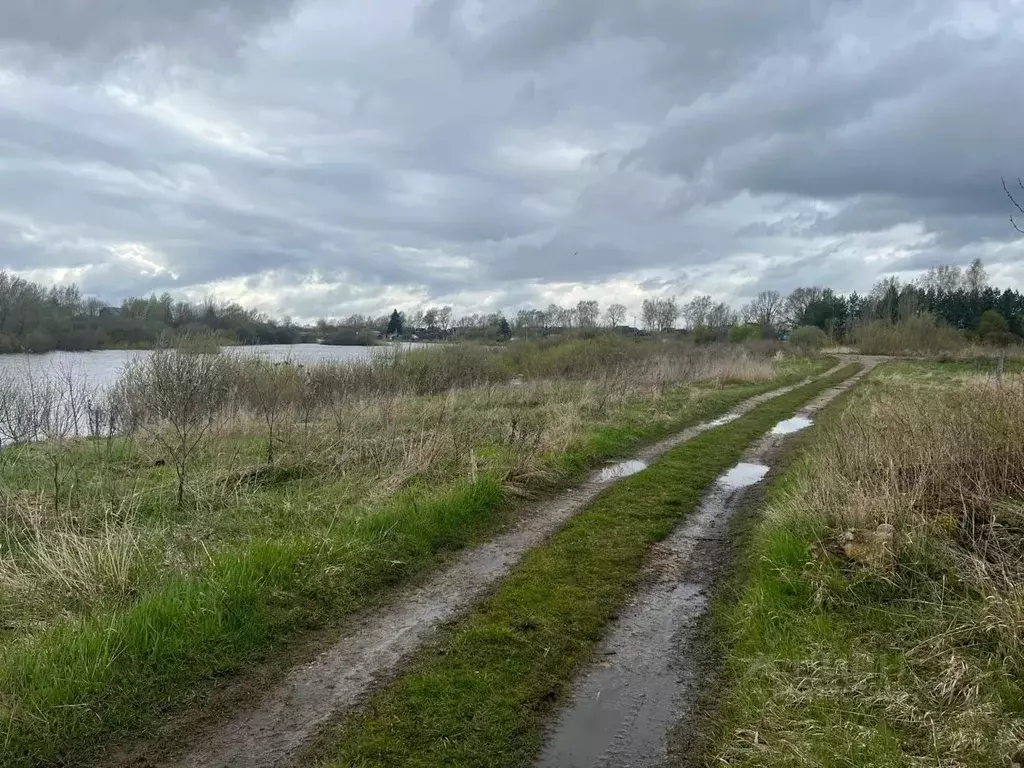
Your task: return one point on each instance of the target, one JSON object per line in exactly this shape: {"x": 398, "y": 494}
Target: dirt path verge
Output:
{"x": 276, "y": 729}
{"x": 645, "y": 679}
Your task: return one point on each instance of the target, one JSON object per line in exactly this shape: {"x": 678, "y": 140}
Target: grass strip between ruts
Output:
{"x": 479, "y": 696}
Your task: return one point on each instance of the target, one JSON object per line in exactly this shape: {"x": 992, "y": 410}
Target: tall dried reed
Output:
{"x": 917, "y": 663}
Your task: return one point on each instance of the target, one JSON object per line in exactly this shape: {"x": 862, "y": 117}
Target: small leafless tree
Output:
{"x": 697, "y": 311}
{"x": 569, "y": 317}
{"x": 47, "y": 407}
{"x": 660, "y": 314}
{"x": 587, "y": 313}
{"x": 429, "y": 319}
{"x": 175, "y": 395}
{"x": 668, "y": 313}
{"x": 615, "y": 315}
{"x": 721, "y": 317}
{"x": 444, "y": 318}
{"x": 310, "y": 395}
{"x": 649, "y": 313}
{"x": 976, "y": 277}
{"x": 765, "y": 310}
{"x": 15, "y": 426}
{"x": 269, "y": 389}
{"x": 61, "y": 410}
{"x": 945, "y": 278}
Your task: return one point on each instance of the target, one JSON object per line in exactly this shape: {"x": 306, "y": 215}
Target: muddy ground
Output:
{"x": 640, "y": 696}
{"x": 263, "y": 721}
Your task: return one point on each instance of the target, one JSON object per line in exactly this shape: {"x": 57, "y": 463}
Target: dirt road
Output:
{"x": 277, "y": 728}
{"x": 645, "y": 679}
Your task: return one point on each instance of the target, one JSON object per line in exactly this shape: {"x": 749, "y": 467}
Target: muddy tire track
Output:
{"x": 275, "y": 730}
{"x": 647, "y": 671}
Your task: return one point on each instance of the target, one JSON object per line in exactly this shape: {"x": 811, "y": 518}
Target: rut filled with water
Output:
{"x": 276, "y": 729}
{"x": 645, "y": 680}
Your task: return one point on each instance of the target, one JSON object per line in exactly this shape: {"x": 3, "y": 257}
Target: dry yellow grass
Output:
{"x": 108, "y": 526}
{"x": 832, "y": 662}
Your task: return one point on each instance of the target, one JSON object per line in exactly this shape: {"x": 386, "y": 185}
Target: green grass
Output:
{"x": 293, "y": 559}
{"x": 827, "y": 663}
{"x": 480, "y": 695}
{"x": 112, "y": 674}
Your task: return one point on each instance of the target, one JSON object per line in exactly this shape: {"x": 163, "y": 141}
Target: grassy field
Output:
{"x": 851, "y": 644}
{"x": 137, "y": 567}
{"x": 481, "y": 694}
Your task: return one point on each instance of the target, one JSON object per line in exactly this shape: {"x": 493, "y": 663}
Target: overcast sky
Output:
{"x": 323, "y": 157}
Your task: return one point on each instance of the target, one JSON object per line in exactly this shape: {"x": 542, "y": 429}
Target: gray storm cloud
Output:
{"x": 323, "y": 157}
{"x": 105, "y": 28}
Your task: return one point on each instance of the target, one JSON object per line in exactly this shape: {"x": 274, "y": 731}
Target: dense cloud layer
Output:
{"x": 320, "y": 157}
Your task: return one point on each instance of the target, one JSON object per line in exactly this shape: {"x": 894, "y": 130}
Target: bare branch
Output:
{"x": 1013, "y": 200}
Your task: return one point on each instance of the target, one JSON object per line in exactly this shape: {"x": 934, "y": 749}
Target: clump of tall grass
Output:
{"x": 919, "y": 335}
{"x": 808, "y": 338}
{"x": 911, "y": 453}
{"x": 984, "y": 353}
{"x": 919, "y": 663}
{"x": 414, "y": 416}
{"x": 389, "y": 372}
{"x": 59, "y": 564}
{"x": 433, "y": 371}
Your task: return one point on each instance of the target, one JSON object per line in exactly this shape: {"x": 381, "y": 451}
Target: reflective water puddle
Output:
{"x": 723, "y": 420}
{"x": 622, "y": 469}
{"x": 789, "y": 426}
{"x": 743, "y": 475}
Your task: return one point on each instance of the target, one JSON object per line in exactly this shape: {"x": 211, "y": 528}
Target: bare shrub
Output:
{"x": 18, "y": 422}
{"x": 175, "y": 395}
{"x": 808, "y": 338}
{"x": 48, "y": 407}
{"x": 269, "y": 389}
{"x": 917, "y": 335}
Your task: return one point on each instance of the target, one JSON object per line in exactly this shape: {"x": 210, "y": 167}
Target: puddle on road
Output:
{"x": 623, "y": 709}
{"x": 723, "y": 420}
{"x": 742, "y": 476}
{"x": 789, "y": 426}
{"x": 622, "y": 469}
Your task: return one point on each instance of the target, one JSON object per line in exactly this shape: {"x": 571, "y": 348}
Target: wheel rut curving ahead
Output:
{"x": 276, "y": 729}
{"x": 647, "y": 670}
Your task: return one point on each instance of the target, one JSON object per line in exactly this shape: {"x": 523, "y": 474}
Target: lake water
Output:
{"x": 101, "y": 368}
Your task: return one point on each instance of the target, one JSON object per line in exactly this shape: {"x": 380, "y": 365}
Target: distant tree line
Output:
{"x": 961, "y": 299}
{"x": 34, "y": 318}
{"x": 38, "y": 319}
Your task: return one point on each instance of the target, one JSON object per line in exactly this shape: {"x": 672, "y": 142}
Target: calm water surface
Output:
{"x": 100, "y": 369}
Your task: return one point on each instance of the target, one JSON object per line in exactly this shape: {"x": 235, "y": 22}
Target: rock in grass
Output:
{"x": 874, "y": 549}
